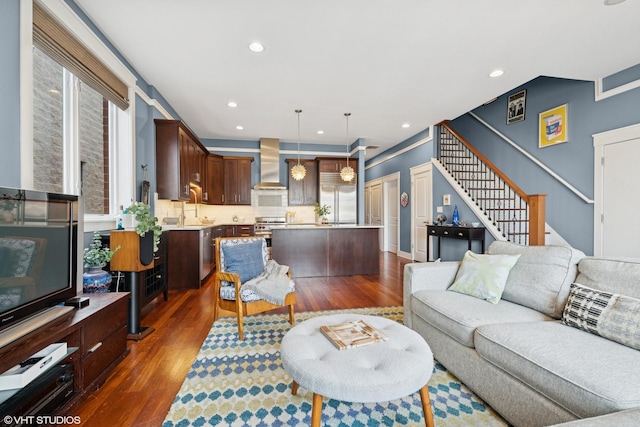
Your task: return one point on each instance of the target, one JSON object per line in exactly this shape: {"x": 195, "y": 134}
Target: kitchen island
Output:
{"x": 326, "y": 250}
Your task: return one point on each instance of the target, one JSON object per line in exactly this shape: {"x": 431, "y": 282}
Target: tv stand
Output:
{"x": 98, "y": 330}
{"x": 32, "y": 323}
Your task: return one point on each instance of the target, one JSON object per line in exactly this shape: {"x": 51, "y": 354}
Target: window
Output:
{"x": 69, "y": 117}
{"x": 82, "y": 140}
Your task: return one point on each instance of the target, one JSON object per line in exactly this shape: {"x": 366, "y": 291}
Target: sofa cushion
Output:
{"x": 612, "y": 316}
{"x": 618, "y": 276}
{"x": 584, "y": 373}
{"x": 541, "y": 277}
{"x": 458, "y": 315}
{"x": 483, "y": 276}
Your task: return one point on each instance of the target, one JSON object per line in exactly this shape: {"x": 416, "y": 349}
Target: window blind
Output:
{"x": 57, "y": 42}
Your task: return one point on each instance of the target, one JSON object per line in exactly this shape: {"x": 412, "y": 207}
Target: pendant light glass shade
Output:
{"x": 298, "y": 172}
{"x": 347, "y": 173}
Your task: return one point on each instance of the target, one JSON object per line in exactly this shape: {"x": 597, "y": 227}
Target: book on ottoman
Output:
{"x": 352, "y": 334}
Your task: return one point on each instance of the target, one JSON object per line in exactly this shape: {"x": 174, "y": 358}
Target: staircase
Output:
{"x": 517, "y": 216}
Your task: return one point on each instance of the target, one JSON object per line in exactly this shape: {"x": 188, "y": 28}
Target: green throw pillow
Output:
{"x": 483, "y": 276}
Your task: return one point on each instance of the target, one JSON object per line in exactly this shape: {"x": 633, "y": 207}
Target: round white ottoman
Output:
{"x": 376, "y": 372}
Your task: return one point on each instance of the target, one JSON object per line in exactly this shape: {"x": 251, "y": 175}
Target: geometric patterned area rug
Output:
{"x": 242, "y": 383}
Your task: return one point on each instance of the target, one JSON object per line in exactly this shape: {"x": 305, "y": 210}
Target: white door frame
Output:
{"x": 426, "y": 168}
{"x": 600, "y": 140}
{"x": 386, "y": 205}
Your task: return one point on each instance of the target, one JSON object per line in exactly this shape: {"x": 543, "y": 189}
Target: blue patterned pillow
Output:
{"x": 612, "y": 316}
{"x": 243, "y": 258}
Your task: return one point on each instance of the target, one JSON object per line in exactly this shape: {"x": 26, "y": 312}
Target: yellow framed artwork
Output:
{"x": 553, "y": 127}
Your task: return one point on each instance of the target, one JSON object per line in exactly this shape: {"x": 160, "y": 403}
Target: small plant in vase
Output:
{"x": 146, "y": 222}
{"x": 322, "y": 211}
{"x": 7, "y": 208}
{"x": 95, "y": 279}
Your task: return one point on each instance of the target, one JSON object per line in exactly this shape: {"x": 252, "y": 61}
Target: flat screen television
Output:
{"x": 38, "y": 252}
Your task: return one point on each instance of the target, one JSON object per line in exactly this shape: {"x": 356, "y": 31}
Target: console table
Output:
{"x": 464, "y": 233}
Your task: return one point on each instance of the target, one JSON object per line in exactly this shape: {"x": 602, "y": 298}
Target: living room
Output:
{"x": 570, "y": 178}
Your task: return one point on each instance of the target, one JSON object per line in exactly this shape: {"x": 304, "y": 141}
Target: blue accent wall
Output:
{"x": 402, "y": 162}
{"x": 568, "y": 214}
{"x": 10, "y": 92}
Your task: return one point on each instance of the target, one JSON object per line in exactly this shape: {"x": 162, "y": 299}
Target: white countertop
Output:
{"x": 317, "y": 226}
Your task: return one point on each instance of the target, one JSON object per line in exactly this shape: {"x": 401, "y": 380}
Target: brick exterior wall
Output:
{"x": 47, "y": 123}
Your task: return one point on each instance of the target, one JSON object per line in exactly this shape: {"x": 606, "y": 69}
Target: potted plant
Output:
{"x": 146, "y": 222}
{"x": 322, "y": 211}
{"x": 95, "y": 279}
{"x": 7, "y": 207}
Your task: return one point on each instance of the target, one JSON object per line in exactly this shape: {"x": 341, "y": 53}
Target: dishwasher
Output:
{"x": 206, "y": 253}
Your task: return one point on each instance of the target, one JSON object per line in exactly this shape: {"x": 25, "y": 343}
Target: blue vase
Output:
{"x": 455, "y": 219}
{"x": 96, "y": 280}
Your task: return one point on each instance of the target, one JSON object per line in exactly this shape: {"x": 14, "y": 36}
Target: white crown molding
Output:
{"x": 153, "y": 103}
{"x": 601, "y": 94}
{"x": 404, "y": 150}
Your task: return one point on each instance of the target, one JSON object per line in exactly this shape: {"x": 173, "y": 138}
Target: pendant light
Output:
{"x": 298, "y": 172}
{"x": 347, "y": 173}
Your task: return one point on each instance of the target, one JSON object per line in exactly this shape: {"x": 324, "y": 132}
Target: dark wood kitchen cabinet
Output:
{"x": 180, "y": 159}
{"x": 213, "y": 187}
{"x": 335, "y": 164}
{"x": 237, "y": 180}
{"x": 238, "y": 230}
{"x": 304, "y": 192}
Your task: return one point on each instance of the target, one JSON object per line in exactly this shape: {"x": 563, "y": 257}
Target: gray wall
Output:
{"x": 10, "y": 92}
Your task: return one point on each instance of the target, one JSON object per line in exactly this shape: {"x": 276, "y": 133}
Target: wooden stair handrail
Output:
{"x": 486, "y": 161}
{"x": 536, "y": 202}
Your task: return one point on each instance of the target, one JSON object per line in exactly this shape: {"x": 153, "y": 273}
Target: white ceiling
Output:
{"x": 386, "y": 62}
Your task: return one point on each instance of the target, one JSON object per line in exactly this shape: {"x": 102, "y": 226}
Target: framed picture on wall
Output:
{"x": 553, "y": 126}
{"x": 516, "y": 107}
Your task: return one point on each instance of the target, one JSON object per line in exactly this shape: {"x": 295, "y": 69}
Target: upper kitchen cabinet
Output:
{"x": 304, "y": 192}
{"x": 213, "y": 188}
{"x": 237, "y": 180}
{"x": 180, "y": 160}
{"x": 330, "y": 164}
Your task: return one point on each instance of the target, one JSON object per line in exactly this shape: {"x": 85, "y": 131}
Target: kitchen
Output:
{"x": 269, "y": 208}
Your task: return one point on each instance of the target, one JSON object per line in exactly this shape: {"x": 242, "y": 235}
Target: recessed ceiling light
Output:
{"x": 496, "y": 73}
{"x": 256, "y": 47}
{"x": 232, "y": 104}
{"x": 612, "y": 2}
{"x": 320, "y": 132}
{"x": 405, "y": 125}
{"x": 240, "y": 127}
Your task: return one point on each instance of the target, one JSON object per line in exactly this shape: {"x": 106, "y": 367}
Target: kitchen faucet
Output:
{"x": 195, "y": 200}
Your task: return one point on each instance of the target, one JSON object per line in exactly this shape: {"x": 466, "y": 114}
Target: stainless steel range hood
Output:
{"x": 269, "y": 165}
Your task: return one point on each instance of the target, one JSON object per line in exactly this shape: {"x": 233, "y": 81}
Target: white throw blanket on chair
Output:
{"x": 272, "y": 284}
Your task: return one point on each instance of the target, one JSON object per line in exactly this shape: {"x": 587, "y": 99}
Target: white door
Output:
{"x": 616, "y": 178}
{"x": 619, "y": 203}
{"x": 421, "y": 210}
{"x": 376, "y": 209}
{"x": 392, "y": 205}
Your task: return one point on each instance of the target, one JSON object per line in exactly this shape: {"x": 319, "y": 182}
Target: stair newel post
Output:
{"x": 537, "y": 219}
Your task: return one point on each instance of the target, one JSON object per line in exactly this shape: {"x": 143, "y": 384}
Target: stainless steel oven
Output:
{"x": 262, "y": 227}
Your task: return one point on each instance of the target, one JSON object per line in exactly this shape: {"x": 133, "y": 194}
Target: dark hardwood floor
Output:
{"x": 141, "y": 389}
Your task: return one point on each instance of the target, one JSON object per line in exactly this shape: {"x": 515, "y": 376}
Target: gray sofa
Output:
{"x": 517, "y": 355}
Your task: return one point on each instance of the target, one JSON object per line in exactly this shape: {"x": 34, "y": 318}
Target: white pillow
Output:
{"x": 483, "y": 276}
